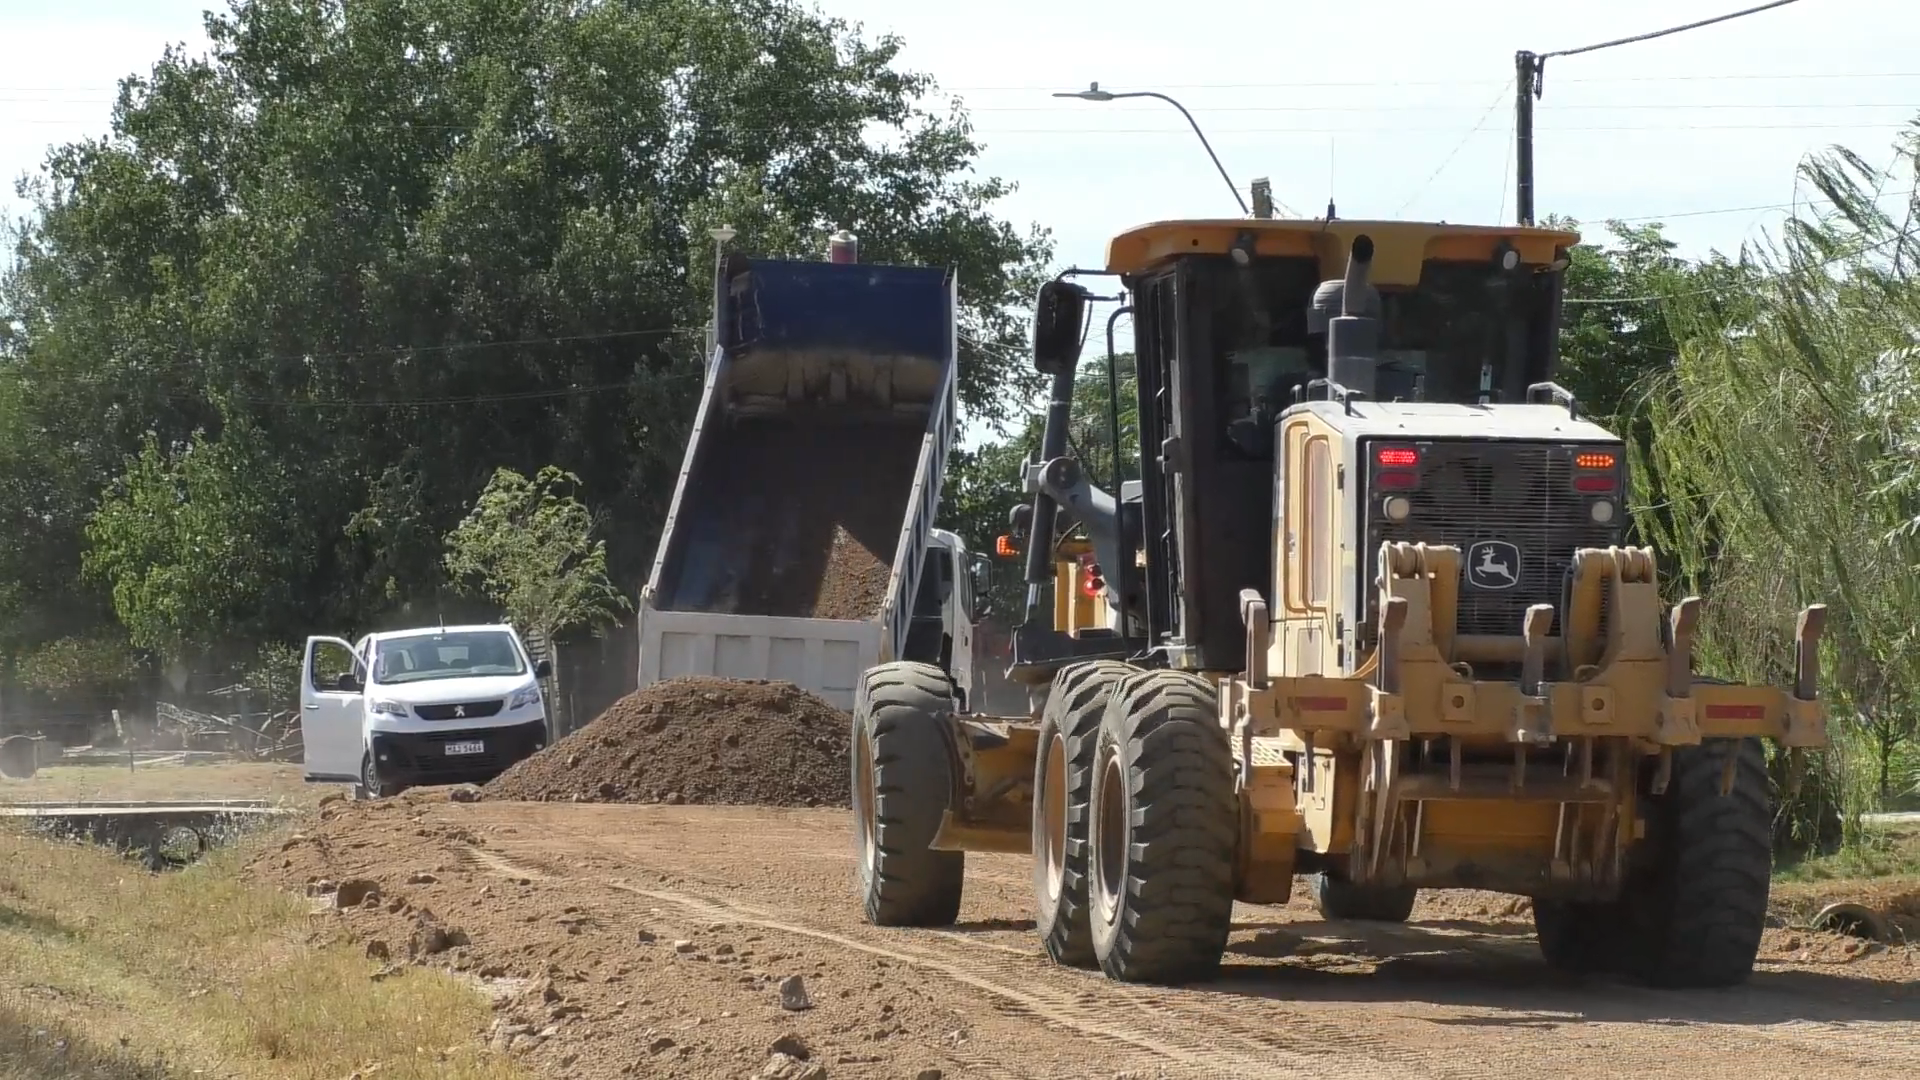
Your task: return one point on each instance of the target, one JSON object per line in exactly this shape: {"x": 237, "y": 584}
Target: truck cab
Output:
{"x": 953, "y": 585}
{"x": 428, "y": 706}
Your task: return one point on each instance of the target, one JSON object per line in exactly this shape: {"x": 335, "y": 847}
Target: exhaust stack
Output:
{"x": 843, "y": 247}
{"x": 1347, "y": 311}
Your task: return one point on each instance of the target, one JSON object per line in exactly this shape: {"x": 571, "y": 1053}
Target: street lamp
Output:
{"x": 1094, "y": 93}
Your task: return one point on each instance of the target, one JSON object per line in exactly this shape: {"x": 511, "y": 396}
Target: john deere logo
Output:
{"x": 1493, "y": 564}
{"x": 459, "y": 710}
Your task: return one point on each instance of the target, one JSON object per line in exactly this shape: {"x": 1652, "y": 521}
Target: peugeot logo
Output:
{"x": 1493, "y": 564}
{"x": 459, "y": 710}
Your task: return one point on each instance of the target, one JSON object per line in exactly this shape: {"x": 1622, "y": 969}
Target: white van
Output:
{"x": 440, "y": 705}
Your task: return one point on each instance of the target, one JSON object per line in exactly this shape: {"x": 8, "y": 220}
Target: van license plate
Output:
{"x": 472, "y": 746}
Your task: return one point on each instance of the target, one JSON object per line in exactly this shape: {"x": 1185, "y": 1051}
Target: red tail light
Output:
{"x": 1396, "y": 457}
{"x": 1091, "y": 582}
{"x": 1594, "y": 482}
{"x": 1394, "y": 479}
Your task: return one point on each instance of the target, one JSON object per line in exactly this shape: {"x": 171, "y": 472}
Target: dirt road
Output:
{"x": 658, "y": 936}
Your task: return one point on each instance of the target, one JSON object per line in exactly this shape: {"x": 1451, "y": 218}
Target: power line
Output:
{"x": 1768, "y": 76}
{"x": 1457, "y": 147}
{"x": 1649, "y": 36}
{"x": 1659, "y": 106}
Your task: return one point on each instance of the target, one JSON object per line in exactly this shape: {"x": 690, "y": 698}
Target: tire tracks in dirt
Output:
{"x": 1469, "y": 1008}
{"x": 1010, "y": 982}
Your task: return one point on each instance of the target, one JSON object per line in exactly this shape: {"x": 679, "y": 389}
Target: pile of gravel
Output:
{"x": 748, "y": 742}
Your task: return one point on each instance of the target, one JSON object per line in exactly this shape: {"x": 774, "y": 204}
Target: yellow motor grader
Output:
{"x": 1370, "y": 617}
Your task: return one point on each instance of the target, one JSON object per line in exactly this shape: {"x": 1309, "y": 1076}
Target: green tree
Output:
{"x": 1782, "y": 459}
{"x": 100, "y": 663}
{"x": 202, "y": 543}
{"x": 528, "y": 546}
{"x": 420, "y": 240}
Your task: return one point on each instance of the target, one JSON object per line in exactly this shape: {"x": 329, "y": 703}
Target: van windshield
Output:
{"x": 420, "y": 657}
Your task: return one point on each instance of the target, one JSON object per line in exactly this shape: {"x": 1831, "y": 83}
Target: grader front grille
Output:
{"x": 1515, "y": 514}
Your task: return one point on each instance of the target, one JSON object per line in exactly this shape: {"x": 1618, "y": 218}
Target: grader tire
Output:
{"x": 1698, "y": 905}
{"x": 1164, "y": 825}
{"x": 902, "y": 779}
{"x": 1337, "y": 899}
{"x": 1062, "y": 795}
{"x": 1577, "y": 937}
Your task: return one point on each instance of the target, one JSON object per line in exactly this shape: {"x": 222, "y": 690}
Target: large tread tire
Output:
{"x": 1071, "y": 719}
{"x": 902, "y": 780}
{"x": 1697, "y": 906}
{"x": 1578, "y": 937}
{"x": 1164, "y": 825}
{"x": 1338, "y": 899}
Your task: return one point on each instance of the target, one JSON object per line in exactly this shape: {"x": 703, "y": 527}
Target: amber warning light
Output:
{"x": 1593, "y": 461}
{"x": 1397, "y": 456}
{"x": 1003, "y": 546}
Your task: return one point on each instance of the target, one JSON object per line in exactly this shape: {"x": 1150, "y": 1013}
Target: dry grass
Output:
{"x": 235, "y": 780}
{"x": 105, "y": 968}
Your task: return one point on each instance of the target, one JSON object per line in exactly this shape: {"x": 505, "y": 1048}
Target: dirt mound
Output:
{"x": 794, "y": 519}
{"x": 696, "y": 740}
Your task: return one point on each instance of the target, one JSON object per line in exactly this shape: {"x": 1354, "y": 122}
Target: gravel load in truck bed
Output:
{"x": 794, "y": 519}
{"x": 696, "y": 740}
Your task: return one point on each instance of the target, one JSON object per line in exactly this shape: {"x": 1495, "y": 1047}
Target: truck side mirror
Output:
{"x": 1059, "y": 317}
{"x": 348, "y": 683}
{"x": 980, "y": 586}
{"x": 543, "y": 670}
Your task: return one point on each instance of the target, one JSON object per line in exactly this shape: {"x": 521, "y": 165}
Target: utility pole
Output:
{"x": 1526, "y": 87}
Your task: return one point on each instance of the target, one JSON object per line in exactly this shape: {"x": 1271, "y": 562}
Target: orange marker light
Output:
{"x": 1593, "y": 461}
{"x": 1003, "y": 545}
{"x": 1396, "y": 456}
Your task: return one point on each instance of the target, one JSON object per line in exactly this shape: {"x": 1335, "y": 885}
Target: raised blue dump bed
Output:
{"x": 784, "y": 305}
{"x": 839, "y": 337}
{"x": 815, "y": 464}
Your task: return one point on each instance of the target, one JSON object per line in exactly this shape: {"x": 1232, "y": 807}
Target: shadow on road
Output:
{"x": 1500, "y": 968}
{"x": 992, "y": 926}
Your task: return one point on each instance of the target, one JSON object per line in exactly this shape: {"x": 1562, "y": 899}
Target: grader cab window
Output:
{"x": 1463, "y": 326}
{"x": 1459, "y": 327}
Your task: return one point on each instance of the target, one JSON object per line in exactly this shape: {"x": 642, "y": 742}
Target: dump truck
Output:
{"x": 800, "y": 544}
{"x": 1368, "y": 612}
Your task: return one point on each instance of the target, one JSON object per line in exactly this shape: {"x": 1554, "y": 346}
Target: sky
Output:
{"x": 1400, "y": 108}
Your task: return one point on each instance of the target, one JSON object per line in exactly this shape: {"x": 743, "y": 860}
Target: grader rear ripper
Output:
{"x": 1368, "y": 617}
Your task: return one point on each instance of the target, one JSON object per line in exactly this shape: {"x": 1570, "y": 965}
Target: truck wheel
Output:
{"x": 1338, "y": 899}
{"x": 902, "y": 779}
{"x": 371, "y": 782}
{"x": 1576, "y": 936}
{"x": 1697, "y": 905}
{"x": 1062, "y": 793}
{"x": 1164, "y": 824}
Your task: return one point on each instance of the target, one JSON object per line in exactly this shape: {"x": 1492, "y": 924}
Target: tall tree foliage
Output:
{"x": 1783, "y": 458}
{"x": 409, "y": 242}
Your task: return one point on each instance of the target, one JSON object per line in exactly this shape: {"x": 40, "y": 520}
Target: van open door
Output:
{"x": 330, "y": 711}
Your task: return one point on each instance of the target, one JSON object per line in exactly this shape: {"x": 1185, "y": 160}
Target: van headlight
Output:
{"x": 389, "y": 708}
{"x": 526, "y": 697}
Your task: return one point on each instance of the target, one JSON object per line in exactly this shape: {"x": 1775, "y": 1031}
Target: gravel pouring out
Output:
{"x": 697, "y": 740}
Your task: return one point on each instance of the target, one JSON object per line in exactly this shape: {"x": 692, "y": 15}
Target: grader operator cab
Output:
{"x": 1372, "y": 620}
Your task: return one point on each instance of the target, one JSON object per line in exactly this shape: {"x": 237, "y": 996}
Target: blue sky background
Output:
{"x": 1397, "y": 108}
